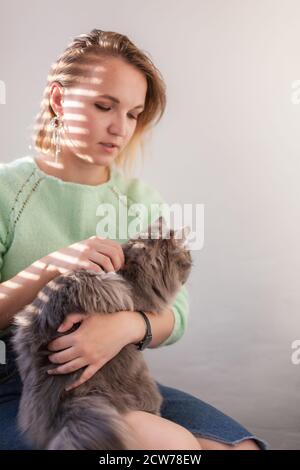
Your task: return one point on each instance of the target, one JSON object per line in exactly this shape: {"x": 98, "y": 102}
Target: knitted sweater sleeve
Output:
{"x": 15, "y": 185}
{"x": 5, "y": 209}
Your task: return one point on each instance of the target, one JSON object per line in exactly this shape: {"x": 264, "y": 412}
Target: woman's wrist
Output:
{"x": 162, "y": 325}
{"x": 134, "y": 326}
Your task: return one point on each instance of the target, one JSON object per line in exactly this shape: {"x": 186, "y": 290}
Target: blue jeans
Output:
{"x": 198, "y": 417}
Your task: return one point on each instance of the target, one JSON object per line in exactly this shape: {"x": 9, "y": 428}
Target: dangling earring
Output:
{"x": 57, "y": 125}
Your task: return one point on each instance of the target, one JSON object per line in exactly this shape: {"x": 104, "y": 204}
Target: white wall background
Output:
{"x": 229, "y": 140}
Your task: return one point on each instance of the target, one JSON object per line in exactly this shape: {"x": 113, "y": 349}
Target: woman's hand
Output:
{"x": 99, "y": 338}
{"x": 95, "y": 253}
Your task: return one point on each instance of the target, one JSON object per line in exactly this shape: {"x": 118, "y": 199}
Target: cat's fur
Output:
{"x": 90, "y": 416}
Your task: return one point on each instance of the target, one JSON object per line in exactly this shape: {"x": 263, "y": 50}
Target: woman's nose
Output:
{"x": 118, "y": 126}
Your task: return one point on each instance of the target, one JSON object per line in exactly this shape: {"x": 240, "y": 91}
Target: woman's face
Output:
{"x": 90, "y": 118}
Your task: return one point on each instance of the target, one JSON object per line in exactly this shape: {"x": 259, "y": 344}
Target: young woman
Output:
{"x": 102, "y": 97}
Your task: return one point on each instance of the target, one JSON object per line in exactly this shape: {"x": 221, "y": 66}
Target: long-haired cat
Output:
{"x": 90, "y": 416}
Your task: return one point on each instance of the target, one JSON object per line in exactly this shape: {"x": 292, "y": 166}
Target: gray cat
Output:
{"x": 157, "y": 264}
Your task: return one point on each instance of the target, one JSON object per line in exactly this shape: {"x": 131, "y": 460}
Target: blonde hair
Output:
{"x": 67, "y": 70}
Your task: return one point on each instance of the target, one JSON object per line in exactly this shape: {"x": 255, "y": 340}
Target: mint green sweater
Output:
{"x": 40, "y": 214}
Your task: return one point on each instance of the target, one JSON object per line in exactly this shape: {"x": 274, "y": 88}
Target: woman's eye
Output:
{"x": 108, "y": 109}
{"x": 102, "y": 107}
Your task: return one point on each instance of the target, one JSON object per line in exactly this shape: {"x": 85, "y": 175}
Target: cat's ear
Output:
{"x": 181, "y": 235}
{"x": 159, "y": 228}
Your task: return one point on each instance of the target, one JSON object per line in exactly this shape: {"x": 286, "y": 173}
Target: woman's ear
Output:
{"x": 56, "y": 98}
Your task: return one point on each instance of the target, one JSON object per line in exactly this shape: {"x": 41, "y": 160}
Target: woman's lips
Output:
{"x": 108, "y": 149}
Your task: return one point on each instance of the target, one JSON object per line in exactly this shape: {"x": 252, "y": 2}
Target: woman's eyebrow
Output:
{"x": 112, "y": 98}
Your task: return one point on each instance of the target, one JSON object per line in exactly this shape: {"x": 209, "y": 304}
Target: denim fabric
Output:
{"x": 10, "y": 394}
{"x": 180, "y": 407}
{"x": 202, "y": 419}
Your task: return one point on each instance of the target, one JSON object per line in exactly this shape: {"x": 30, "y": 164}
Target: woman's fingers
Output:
{"x": 93, "y": 267}
{"x": 86, "y": 375}
{"x": 93, "y": 253}
{"x": 70, "y": 320}
{"x": 104, "y": 261}
{"x": 68, "y": 367}
{"x": 117, "y": 246}
{"x": 112, "y": 250}
{"x": 63, "y": 356}
{"x": 113, "y": 253}
{"x": 63, "y": 342}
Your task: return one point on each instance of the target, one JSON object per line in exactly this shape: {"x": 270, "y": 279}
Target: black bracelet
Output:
{"x": 148, "y": 335}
